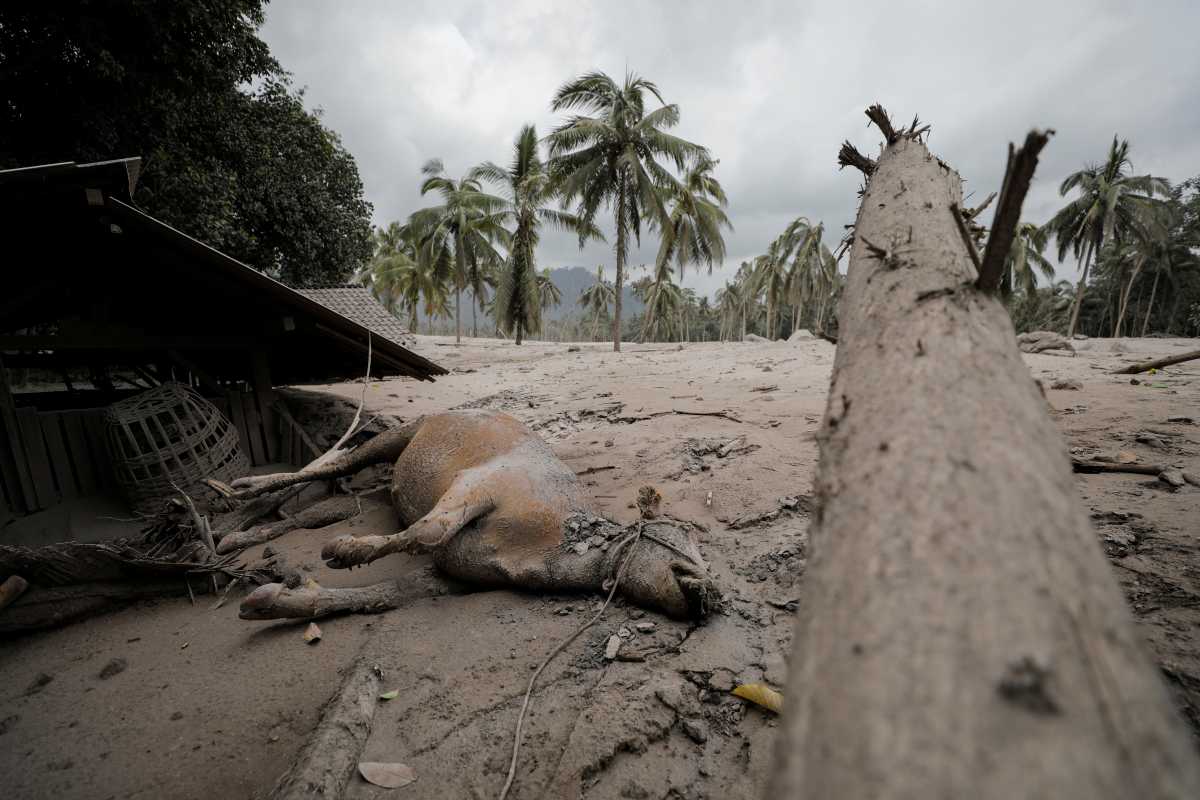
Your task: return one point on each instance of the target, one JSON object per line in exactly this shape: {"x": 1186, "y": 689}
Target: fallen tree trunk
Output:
{"x": 963, "y": 634}
{"x": 326, "y": 763}
{"x": 1158, "y": 363}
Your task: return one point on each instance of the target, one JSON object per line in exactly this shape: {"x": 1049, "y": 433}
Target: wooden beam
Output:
{"x": 126, "y": 341}
{"x": 13, "y": 464}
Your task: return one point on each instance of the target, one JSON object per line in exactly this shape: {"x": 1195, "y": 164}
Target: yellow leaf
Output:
{"x": 761, "y": 694}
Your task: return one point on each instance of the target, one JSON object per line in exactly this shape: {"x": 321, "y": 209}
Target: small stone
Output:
{"x": 695, "y": 730}
{"x": 1172, "y": 477}
{"x": 645, "y": 627}
{"x": 637, "y": 613}
{"x": 612, "y": 648}
{"x": 580, "y": 548}
{"x": 178, "y": 715}
{"x": 608, "y": 443}
{"x": 114, "y": 667}
{"x": 624, "y": 632}
{"x": 39, "y": 683}
{"x": 721, "y": 681}
{"x": 268, "y": 551}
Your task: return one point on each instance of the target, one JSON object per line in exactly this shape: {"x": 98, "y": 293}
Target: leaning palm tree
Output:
{"x": 596, "y": 299}
{"x": 528, "y": 192}
{"x": 1112, "y": 205}
{"x": 1025, "y": 260}
{"x": 607, "y": 156}
{"x": 459, "y": 236}
{"x": 1159, "y": 253}
{"x": 548, "y": 293}
{"x": 729, "y": 307}
{"x": 773, "y": 277}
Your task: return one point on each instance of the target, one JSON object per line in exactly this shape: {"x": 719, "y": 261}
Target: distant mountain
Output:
{"x": 571, "y": 281}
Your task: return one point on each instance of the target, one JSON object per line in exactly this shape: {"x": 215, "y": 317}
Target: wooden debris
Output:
{"x": 1157, "y": 363}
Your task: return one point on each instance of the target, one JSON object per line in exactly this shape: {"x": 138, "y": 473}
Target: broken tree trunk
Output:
{"x": 963, "y": 635}
{"x": 327, "y": 762}
{"x": 1158, "y": 363}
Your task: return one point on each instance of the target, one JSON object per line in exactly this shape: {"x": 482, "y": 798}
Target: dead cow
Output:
{"x": 497, "y": 508}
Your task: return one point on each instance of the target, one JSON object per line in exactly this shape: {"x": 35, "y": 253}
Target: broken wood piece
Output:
{"x": 1017, "y": 178}
{"x": 12, "y": 588}
{"x": 331, "y": 755}
{"x": 1158, "y": 363}
{"x": 1093, "y": 467}
{"x": 593, "y": 470}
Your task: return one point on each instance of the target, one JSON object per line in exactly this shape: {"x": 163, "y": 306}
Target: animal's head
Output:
{"x": 666, "y": 572}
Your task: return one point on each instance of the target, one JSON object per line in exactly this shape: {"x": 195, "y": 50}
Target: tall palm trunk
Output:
{"x": 621, "y": 235}
{"x": 474, "y": 322}
{"x": 743, "y": 321}
{"x": 1150, "y": 305}
{"x": 1125, "y": 297}
{"x": 460, "y": 263}
{"x": 964, "y": 634}
{"x": 1079, "y": 290}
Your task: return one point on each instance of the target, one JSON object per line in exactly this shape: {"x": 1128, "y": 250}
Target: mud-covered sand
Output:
{"x": 211, "y": 706}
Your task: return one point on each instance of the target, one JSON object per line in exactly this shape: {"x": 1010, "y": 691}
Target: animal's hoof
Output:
{"x": 260, "y": 604}
{"x": 349, "y": 551}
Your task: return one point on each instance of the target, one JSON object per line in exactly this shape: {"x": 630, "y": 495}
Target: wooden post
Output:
{"x": 14, "y": 470}
{"x": 961, "y": 633}
{"x": 264, "y": 396}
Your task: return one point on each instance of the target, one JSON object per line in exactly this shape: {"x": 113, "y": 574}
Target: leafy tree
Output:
{"x": 459, "y": 236}
{"x": 608, "y": 156}
{"x": 247, "y": 170}
{"x": 549, "y": 295}
{"x": 398, "y": 277}
{"x": 1112, "y": 205}
{"x": 529, "y": 191}
{"x": 597, "y": 298}
{"x": 1024, "y": 257}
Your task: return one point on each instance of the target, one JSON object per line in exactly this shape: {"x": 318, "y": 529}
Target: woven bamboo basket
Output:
{"x": 170, "y": 437}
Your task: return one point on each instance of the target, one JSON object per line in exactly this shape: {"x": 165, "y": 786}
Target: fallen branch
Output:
{"x": 1158, "y": 363}
{"x": 329, "y": 758}
{"x": 1093, "y": 467}
{"x": 592, "y": 470}
{"x": 1008, "y": 212}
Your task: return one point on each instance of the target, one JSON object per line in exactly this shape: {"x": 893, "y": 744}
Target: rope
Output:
{"x": 632, "y": 540}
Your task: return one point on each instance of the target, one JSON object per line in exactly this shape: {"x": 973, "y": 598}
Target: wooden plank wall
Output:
{"x": 52, "y": 456}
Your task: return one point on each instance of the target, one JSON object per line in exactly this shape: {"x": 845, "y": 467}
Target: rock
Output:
{"x": 1126, "y": 457}
{"x": 721, "y": 681}
{"x": 695, "y": 730}
{"x": 1191, "y": 477}
{"x": 114, "y": 667}
{"x": 1037, "y": 341}
{"x": 1067, "y": 385}
{"x": 624, "y": 632}
{"x": 573, "y": 349}
{"x": 612, "y": 648}
{"x": 268, "y": 551}
{"x": 580, "y": 548}
{"x": 178, "y": 715}
{"x": 1150, "y": 439}
{"x": 800, "y": 335}
{"x": 1172, "y": 477}
{"x": 645, "y": 627}
{"x": 754, "y": 337}
{"x": 679, "y": 697}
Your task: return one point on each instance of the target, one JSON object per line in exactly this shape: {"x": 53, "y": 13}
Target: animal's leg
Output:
{"x": 309, "y": 601}
{"x": 318, "y": 515}
{"x": 382, "y": 448}
{"x": 458, "y": 508}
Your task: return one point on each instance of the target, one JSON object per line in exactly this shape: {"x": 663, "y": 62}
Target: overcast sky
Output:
{"x": 770, "y": 88}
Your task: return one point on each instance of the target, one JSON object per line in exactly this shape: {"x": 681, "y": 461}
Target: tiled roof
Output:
{"x": 357, "y": 303}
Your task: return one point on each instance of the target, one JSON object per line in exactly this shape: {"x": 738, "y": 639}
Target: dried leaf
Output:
{"x": 387, "y": 775}
{"x": 392, "y": 695}
{"x": 761, "y": 694}
{"x": 312, "y": 633}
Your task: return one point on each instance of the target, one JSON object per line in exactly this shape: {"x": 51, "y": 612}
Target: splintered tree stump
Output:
{"x": 963, "y": 634}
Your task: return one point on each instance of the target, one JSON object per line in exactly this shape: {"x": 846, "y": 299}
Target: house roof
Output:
{"x": 89, "y": 272}
{"x": 358, "y": 304}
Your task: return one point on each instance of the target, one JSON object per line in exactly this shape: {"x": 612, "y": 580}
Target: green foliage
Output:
{"x": 608, "y": 157}
{"x": 247, "y": 170}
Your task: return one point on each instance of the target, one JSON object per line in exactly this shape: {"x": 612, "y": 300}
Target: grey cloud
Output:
{"x": 771, "y": 88}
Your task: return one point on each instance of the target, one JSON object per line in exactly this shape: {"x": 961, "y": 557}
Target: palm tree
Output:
{"x": 729, "y": 306}
{"x": 772, "y": 275}
{"x": 459, "y": 236}
{"x": 1024, "y": 257}
{"x": 596, "y": 298}
{"x": 549, "y": 295}
{"x": 609, "y": 158}
{"x": 1163, "y": 255}
{"x": 529, "y": 191}
{"x": 1112, "y": 205}
{"x": 396, "y": 275}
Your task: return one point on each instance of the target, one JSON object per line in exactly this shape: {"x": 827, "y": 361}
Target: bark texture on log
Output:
{"x": 329, "y": 758}
{"x": 1158, "y": 363}
{"x": 963, "y": 635}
